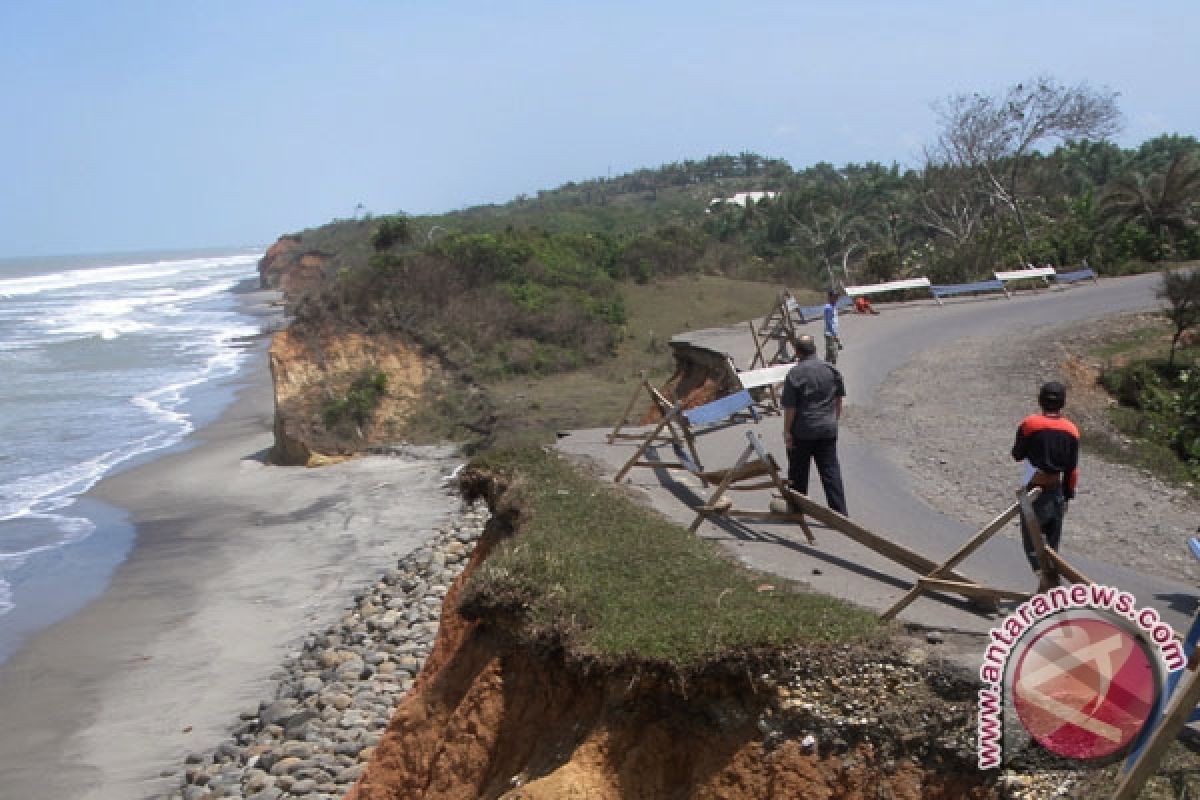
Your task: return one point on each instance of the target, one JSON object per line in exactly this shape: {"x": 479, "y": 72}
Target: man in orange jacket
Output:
{"x": 1050, "y": 443}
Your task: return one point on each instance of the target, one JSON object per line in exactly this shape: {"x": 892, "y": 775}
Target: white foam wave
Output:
{"x": 73, "y": 278}
{"x": 104, "y": 328}
{"x": 161, "y": 404}
{"x": 48, "y": 492}
{"x": 70, "y": 530}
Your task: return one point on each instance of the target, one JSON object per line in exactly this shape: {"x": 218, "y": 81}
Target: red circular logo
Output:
{"x": 1084, "y": 687}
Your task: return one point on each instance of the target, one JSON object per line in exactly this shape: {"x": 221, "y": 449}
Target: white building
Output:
{"x": 740, "y": 198}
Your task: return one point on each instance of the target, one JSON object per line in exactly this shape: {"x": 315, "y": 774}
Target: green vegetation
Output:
{"x": 595, "y": 395}
{"x": 1181, "y": 291}
{"x": 534, "y": 287}
{"x": 1159, "y": 398}
{"x": 1160, "y": 406}
{"x": 360, "y": 400}
{"x": 548, "y": 307}
{"x": 610, "y": 579}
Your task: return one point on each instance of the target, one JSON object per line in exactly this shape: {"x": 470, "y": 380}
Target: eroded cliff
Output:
{"x": 495, "y": 714}
{"x": 312, "y": 373}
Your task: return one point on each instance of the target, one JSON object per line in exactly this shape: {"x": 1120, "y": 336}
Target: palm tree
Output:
{"x": 1167, "y": 203}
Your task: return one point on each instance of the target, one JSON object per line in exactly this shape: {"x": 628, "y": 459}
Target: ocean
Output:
{"x": 104, "y": 360}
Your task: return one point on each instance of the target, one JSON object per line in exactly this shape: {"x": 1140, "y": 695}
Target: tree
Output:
{"x": 995, "y": 136}
{"x": 1181, "y": 291}
{"x": 1166, "y": 203}
{"x": 391, "y": 230}
{"x": 949, "y": 202}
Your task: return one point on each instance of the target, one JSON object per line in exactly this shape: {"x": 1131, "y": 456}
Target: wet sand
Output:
{"x": 234, "y": 561}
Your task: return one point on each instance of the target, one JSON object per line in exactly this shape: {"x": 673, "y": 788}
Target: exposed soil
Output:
{"x": 310, "y": 372}
{"x": 492, "y": 716}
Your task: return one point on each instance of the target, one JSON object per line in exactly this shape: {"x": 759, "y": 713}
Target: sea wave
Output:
{"x": 54, "y": 490}
{"x": 94, "y": 276}
{"x": 103, "y": 361}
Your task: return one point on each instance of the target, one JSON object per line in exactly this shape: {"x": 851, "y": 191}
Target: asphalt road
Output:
{"x": 879, "y": 493}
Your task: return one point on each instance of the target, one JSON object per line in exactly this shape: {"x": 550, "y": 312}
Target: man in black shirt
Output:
{"x": 812, "y": 405}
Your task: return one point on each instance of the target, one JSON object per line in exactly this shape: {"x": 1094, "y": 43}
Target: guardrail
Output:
{"x": 1045, "y": 273}
{"x": 1076, "y": 276}
{"x": 950, "y": 289}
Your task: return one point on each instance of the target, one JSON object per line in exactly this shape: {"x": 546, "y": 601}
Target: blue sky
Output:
{"x": 140, "y": 125}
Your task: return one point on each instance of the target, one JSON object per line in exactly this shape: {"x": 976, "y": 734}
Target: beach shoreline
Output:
{"x": 233, "y": 563}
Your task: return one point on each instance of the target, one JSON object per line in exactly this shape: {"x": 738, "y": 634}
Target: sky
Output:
{"x": 154, "y": 125}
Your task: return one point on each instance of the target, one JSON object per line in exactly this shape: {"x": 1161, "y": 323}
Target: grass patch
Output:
{"x": 594, "y": 396}
{"x": 1157, "y": 404}
{"x": 1143, "y": 342}
{"x": 613, "y": 580}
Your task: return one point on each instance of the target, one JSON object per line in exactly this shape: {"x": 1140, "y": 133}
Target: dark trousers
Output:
{"x": 824, "y": 453}
{"x": 1049, "y": 507}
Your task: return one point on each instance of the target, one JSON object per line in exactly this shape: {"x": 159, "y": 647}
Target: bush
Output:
{"x": 1160, "y": 404}
{"x": 360, "y": 400}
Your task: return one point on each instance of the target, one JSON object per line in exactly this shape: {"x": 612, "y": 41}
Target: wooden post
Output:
{"x": 757, "y": 444}
{"x": 643, "y": 384}
{"x": 885, "y": 547}
{"x": 961, "y": 555}
{"x": 721, "y": 488}
{"x": 1046, "y": 567}
{"x": 760, "y": 358}
{"x": 1063, "y": 568}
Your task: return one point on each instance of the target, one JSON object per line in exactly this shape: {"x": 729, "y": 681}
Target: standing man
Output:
{"x": 1050, "y": 443}
{"x": 812, "y": 405}
{"x": 833, "y": 342}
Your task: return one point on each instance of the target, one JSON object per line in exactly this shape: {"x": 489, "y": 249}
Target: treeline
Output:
{"x": 1120, "y": 210}
{"x": 532, "y": 285}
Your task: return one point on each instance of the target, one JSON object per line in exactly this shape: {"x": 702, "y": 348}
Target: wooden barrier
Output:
{"x": 618, "y": 429}
{"x": 762, "y": 381}
{"x": 755, "y": 462}
{"x": 779, "y": 327}
{"x": 678, "y": 425}
{"x": 879, "y": 544}
{"x": 1178, "y": 712}
{"x": 1183, "y": 695}
{"x": 934, "y": 580}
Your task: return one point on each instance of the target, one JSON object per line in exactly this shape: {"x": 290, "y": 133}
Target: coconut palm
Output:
{"x": 1167, "y": 203}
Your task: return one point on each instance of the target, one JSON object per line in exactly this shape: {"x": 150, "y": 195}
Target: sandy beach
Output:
{"x": 234, "y": 561}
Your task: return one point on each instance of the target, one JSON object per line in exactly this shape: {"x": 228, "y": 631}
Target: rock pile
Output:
{"x": 335, "y": 696}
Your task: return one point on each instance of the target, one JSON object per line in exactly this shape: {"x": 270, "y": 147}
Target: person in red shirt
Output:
{"x": 863, "y": 306}
{"x": 1050, "y": 443}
